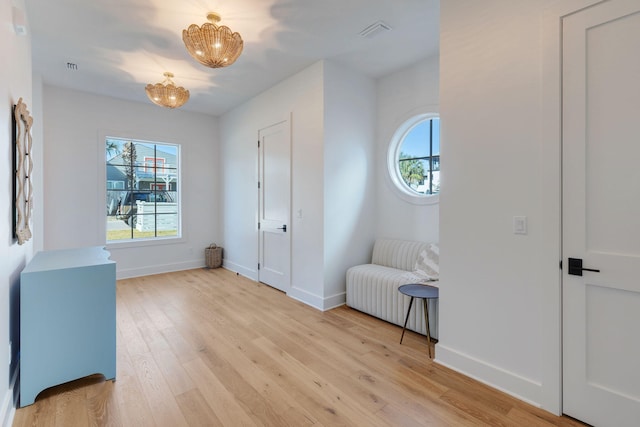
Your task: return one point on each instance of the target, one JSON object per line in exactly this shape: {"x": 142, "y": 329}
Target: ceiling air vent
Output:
{"x": 72, "y": 66}
{"x": 374, "y": 29}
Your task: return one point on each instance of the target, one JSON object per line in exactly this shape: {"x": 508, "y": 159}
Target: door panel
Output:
{"x": 610, "y": 312}
{"x": 601, "y": 213}
{"x": 274, "y": 205}
{"x": 612, "y": 136}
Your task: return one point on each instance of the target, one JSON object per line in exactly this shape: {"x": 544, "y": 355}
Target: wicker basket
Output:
{"x": 213, "y": 256}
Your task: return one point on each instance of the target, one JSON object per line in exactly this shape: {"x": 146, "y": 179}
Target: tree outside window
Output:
{"x": 413, "y": 159}
{"x": 419, "y": 158}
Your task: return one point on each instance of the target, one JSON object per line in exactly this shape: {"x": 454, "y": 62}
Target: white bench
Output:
{"x": 373, "y": 288}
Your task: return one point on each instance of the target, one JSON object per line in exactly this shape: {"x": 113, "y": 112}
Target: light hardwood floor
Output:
{"x": 210, "y": 348}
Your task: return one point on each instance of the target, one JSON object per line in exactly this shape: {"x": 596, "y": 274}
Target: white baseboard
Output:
{"x": 316, "y": 301}
{"x": 156, "y": 269}
{"x": 240, "y": 269}
{"x": 513, "y": 384}
{"x": 7, "y": 411}
{"x": 8, "y": 408}
{"x": 334, "y": 301}
{"x": 308, "y": 298}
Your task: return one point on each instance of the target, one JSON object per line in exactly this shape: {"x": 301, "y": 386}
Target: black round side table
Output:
{"x": 426, "y": 292}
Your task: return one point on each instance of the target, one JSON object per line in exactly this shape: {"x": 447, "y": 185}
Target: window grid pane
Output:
{"x": 419, "y": 159}
{"x": 146, "y": 206}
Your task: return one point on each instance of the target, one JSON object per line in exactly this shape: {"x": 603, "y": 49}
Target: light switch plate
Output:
{"x": 519, "y": 225}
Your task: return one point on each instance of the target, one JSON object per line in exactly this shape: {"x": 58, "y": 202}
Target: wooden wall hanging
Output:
{"x": 23, "y": 169}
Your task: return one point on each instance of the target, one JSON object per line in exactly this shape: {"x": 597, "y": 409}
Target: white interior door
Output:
{"x": 274, "y": 188}
{"x": 601, "y": 214}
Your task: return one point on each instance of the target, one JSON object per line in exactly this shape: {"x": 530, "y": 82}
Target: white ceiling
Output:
{"x": 121, "y": 45}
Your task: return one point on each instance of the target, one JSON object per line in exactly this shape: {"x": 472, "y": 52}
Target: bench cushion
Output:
{"x": 373, "y": 289}
{"x": 401, "y": 254}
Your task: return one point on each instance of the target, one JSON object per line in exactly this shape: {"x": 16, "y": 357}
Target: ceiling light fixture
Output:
{"x": 167, "y": 94}
{"x": 212, "y": 45}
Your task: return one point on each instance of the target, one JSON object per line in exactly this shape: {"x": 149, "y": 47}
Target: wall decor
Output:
{"x": 23, "y": 169}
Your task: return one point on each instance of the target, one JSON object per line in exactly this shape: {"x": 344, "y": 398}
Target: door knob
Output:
{"x": 283, "y": 228}
{"x": 576, "y": 269}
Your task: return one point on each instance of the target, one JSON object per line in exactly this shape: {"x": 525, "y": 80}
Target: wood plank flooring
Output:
{"x": 210, "y": 348}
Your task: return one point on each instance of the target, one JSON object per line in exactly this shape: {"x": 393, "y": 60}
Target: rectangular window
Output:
{"x": 115, "y": 185}
{"x": 151, "y": 162}
{"x": 142, "y": 190}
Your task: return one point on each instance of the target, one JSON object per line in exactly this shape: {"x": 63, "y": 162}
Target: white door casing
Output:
{"x": 601, "y": 213}
{"x": 274, "y": 192}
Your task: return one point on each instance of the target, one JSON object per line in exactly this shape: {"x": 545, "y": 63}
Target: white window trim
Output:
{"x": 398, "y": 184}
{"x": 102, "y": 194}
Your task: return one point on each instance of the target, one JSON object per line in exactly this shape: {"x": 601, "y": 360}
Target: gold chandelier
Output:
{"x": 212, "y": 45}
{"x": 167, "y": 94}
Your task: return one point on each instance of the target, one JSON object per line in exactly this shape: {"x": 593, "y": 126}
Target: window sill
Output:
{"x": 157, "y": 241}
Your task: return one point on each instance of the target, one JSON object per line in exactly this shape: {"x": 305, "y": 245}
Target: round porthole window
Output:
{"x": 414, "y": 159}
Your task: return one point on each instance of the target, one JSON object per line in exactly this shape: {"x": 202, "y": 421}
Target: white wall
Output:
{"x": 500, "y": 292}
{"x": 400, "y": 96}
{"x": 301, "y": 96}
{"x": 349, "y": 176}
{"x": 305, "y": 91}
{"x": 75, "y": 124}
{"x": 15, "y": 83}
{"x": 298, "y": 97}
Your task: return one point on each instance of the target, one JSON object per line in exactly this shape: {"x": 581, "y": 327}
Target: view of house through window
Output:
{"x": 419, "y": 157}
{"x": 142, "y": 189}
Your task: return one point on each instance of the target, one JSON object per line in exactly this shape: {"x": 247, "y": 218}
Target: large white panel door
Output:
{"x": 274, "y": 188}
{"x": 601, "y": 214}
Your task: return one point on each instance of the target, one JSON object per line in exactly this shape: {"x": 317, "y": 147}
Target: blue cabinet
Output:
{"x": 67, "y": 319}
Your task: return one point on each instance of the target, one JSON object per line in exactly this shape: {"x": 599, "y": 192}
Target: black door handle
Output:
{"x": 283, "y": 228}
{"x": 575, "y": 267}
